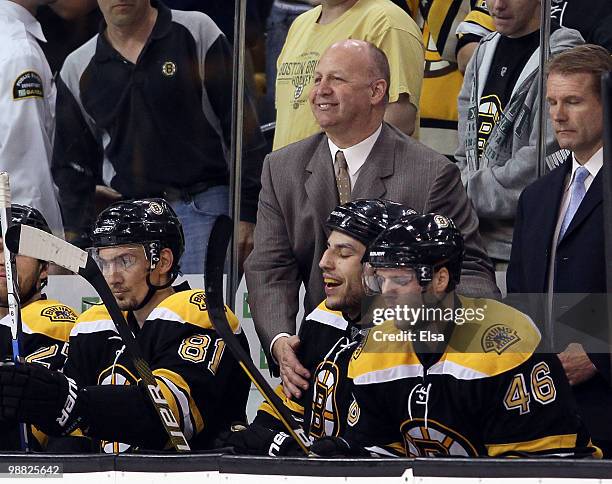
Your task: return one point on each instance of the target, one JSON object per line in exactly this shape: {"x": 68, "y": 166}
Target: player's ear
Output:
{"x": 441, "y": 280}
{"x": 166, "y": 259}
{"x": 44, "y": 270}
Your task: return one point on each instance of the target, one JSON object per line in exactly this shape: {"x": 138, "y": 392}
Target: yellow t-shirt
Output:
{"x": 378, "y": 21}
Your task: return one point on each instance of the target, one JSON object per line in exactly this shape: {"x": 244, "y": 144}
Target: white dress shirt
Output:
{"x": 27, "y": 113}
{"x": 355, "y": 155}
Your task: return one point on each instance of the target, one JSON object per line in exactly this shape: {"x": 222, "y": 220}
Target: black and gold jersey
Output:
{"x": 327, "y": 341}
{"x": 488, "y": 394}
{"x": 438, "y": 21}
{"x": 46, "y": 328}
{"x": 203, "y": 383}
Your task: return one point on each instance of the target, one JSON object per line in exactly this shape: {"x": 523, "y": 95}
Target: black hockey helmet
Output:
{"x": 25, "y": 215}
{"x": 151, "y": 222}
{"x": 425, "y": 243}
{"x": 364, "y": 219}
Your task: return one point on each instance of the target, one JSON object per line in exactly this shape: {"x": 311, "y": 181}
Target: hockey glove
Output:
{"x": 336, "y": 447}
{"x": 258, "y": 440}
{"x": 34, "y": 394}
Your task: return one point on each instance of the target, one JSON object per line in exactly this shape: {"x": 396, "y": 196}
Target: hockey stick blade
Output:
{"x": 36, "y": 243}
{"x": 215, "y": 258}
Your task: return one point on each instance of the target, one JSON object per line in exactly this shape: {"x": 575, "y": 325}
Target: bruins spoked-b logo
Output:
{"x": 434, "y": 440}
{"x": 325, "y": 415}
{"x": 499, "y": 338}
{"x": 199, "y": 299}
{"x": 59, "y": 314}
{"x": 156, "y": 208}
{"x": 169, "y": 69}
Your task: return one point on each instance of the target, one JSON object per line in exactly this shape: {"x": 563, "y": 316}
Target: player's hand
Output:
{"x": 258, "y": 440}
{"x": 33, "y": 394}
{"x": 336, "y": 447}
{"x": 246, "y": 242}
{"x": 293, "y": 374}
{"x": 576, "y": 363}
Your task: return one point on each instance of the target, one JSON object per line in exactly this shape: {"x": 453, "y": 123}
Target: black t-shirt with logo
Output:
{"x": 510, "y": 57}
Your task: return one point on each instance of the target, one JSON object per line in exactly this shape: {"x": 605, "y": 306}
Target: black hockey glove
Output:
{"x": 258, "y": 440}
{"x": 34, "y": 394}
{"x": 336, "y": 447}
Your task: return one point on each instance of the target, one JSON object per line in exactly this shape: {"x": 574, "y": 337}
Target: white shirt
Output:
{"x": 27, "y": 113}
{"x": 355, "y": 155}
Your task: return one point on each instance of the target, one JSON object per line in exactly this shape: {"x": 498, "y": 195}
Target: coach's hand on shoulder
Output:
{"x": 293, "y": 374}
{"x": 34, "y": 394}
{"x": 258, "y": 440}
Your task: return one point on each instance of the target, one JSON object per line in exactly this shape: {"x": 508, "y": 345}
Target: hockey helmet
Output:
{"x": 151, "y": 222}
{"x": 25, "y": 215}
{"x": 424, "y": 243}
{"x": 365, "y": 219}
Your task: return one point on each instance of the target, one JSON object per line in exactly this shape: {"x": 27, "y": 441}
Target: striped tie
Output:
{"x": 343, "y": 181}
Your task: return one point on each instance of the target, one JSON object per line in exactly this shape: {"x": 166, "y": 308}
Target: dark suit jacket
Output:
{"x": 579, "y": 268}
{"x": 299, "y": 192}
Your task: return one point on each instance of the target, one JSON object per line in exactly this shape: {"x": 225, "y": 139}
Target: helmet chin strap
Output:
{"x": 153, "y": 289}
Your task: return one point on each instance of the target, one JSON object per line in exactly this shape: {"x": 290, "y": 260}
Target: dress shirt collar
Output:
{"x": 357, "y": 154}
{"x": 593, "y": 166}
{"x": 16, "y": 11}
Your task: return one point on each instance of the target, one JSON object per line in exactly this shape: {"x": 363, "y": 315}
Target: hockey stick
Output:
{"x": 36, "y": 243}
{"x": 12, "y": 288}
{"x": 215, "y": 258}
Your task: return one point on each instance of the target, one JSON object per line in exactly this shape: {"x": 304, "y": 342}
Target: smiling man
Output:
{"x": 498, "y": 118}
{"x": 137, "y": 245}
{"x": 329, "y": 334}
{"x": 560, "y": 221}
{"x": 357, "y": 156}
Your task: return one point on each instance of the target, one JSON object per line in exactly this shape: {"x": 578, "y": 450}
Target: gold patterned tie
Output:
{"x": 343, "y": 181}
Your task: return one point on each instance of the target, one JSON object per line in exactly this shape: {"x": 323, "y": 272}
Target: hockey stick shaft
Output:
{"x": 12, "y": 288}
{"x": 36, "y": 243}
{"x": 215, "y": 257}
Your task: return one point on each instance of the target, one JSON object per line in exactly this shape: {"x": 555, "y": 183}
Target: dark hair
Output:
{"x": 588, "y": 59}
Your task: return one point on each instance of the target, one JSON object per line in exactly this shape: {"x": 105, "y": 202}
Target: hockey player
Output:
{"x": 328, "y": 335}
{"x": 137, "y": 245}
{"x": 46, "y": 323}
{"x": 450, "y": 375}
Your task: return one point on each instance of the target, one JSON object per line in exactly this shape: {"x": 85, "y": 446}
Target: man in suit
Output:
{"x": 558, "y": 244}
{"x": 357, "y": 156}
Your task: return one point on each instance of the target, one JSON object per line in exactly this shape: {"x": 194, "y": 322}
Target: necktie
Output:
{"x": 343, "y": 181}
{"x": 577, "y": 192}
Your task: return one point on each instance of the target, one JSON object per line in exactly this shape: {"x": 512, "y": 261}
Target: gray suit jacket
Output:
{"x": 299, "y": 192}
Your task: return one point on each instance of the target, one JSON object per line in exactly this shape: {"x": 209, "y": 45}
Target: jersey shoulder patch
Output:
{"x": 50, "y": 318}
{"x": 28, "y": 85}
{"x": 502, "y": 339}
{"x": 190, "y": 307}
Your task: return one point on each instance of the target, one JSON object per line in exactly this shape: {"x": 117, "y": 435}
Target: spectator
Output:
{"x": 27, "y": 106}
{"x": 302, "y": 183}
{"x": 151, "y": 96}
{"x": 560, "y": 218}
{"x": 377, "y": 21}
{"x": 444, "y": 54}
{"x": 498, "y": 112}
{"x": 282, "y": 15}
